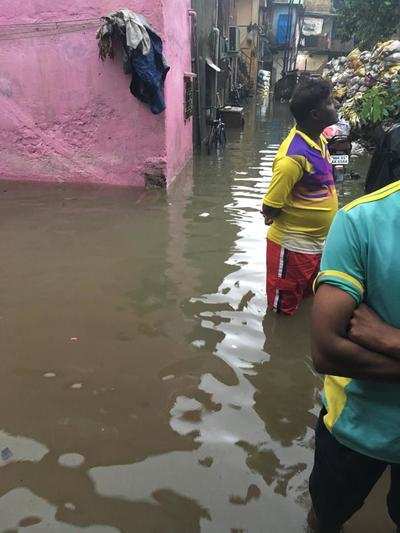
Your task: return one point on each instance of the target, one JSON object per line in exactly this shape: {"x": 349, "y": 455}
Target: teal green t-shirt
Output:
{"x": 362, "y": 257}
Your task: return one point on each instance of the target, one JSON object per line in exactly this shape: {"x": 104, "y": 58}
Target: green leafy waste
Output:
{"x": 380, "y": 104}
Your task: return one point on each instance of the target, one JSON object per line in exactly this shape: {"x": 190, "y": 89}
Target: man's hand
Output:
{"x": 268, "y": 220}
{"x": 367, "y": 329}
{"x": 270, "y": 214}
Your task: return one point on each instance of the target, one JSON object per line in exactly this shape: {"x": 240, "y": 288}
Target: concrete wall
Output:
{"x": 311, "y": 62}
{"x": 66, "y": 116}
{"x": 247, "y": 11}
{"x": 319, "y": 6}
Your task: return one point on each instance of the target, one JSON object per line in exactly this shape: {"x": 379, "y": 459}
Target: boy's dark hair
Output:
{"x": 309, "y": 95}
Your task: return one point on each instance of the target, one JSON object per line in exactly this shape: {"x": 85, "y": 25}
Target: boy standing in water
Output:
{"x": 356, "y": 345}
{"x": 301, "y": 201}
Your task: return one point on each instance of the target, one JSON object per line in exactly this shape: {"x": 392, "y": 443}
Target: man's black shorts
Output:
{"x": 342, "y": 479}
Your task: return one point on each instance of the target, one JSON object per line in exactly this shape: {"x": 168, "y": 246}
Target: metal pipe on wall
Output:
{"x": 217, "y": 48}
{"x": 288, "y": 44}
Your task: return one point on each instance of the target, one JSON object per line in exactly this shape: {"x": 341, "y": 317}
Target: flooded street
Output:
{"x": 143, "y": 387}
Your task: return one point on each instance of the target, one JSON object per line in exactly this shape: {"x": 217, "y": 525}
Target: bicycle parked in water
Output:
{"x": 217, "y": 135}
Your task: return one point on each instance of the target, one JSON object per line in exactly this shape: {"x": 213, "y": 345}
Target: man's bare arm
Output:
{"x": 369, "y": 330}
{"x": 334, "y": 353}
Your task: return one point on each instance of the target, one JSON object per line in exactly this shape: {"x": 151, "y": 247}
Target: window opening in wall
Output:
{"x": 189, "y": 96}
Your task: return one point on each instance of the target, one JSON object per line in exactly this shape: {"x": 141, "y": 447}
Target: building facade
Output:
{"x": 319, "y": 42}
{"x": 212, "y": 62}
{"x": 67, "y": 117}
{"x": 282, "y": 20}
{"x": 301, "y": 35}
{"x": 227, "y": 48}
{"x": 247, "y": 18}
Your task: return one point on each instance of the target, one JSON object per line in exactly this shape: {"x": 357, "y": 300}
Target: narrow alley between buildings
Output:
{"x": 143, "y": 386}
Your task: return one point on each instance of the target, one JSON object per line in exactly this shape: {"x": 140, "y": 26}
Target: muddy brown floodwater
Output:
{"x": 143, "y": 389}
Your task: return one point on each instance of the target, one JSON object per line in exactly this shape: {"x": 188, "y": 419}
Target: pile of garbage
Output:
{"x": 367, "y": 84}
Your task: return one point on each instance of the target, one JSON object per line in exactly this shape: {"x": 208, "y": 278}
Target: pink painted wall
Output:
{"x": 65, "y": 116}
{"x": 177, "y": 48}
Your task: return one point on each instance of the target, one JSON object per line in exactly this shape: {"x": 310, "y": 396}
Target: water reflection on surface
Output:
{"x": 143, "y": 387}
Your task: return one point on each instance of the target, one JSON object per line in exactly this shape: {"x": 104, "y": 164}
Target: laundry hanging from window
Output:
{"x": 142, "y": 50}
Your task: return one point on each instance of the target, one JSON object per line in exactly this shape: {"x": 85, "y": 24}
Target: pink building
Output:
{"x": 67, "y": 117}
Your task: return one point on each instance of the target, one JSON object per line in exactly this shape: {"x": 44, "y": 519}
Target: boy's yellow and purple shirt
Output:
{"x": 303, "y": 188}
{"x": 361, "y": 259}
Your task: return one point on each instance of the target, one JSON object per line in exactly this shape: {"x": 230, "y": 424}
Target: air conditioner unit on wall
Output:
{"x": 234, "y": 39}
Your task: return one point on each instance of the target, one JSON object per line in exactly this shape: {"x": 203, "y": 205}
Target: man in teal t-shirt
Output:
{"x": 356, "y": 344}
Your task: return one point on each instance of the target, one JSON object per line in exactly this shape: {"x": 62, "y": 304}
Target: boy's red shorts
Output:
{"x": 290, "y": 277}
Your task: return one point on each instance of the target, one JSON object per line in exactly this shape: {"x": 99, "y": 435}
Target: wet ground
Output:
{"x": 143, "y": 388}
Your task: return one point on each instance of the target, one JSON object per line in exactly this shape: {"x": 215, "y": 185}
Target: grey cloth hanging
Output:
{"x": 133, "y": 25}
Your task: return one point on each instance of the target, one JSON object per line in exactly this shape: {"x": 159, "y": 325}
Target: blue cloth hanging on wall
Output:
{"x": 148, "y": 75}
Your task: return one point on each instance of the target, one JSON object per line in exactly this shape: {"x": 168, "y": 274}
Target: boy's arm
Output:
{"x": 333, "y": 352}
{"x": 286, "y": 173}
{"x": 368, "y": 330}
{"x": 349, "y": 339}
